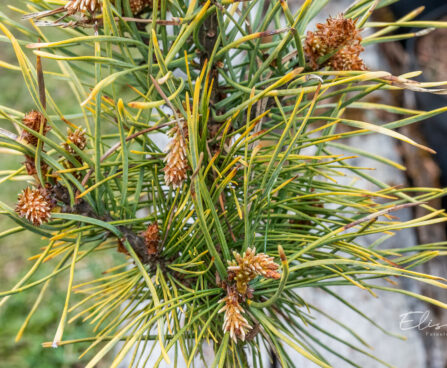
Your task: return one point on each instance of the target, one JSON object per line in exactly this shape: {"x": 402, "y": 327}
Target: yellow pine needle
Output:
{"x": 56, "y": 253}
{"x": 108, "y": 101}
{"x": 188, "y": 73}
{"x": 189, "y": 272}
{"x": 176, "y": 320}
{"x": 245, "y": 135}
{"x": 70, "y": 232}
{"x": 10, "y": 151}
{"x": 115, "y": 268}
{"x": 63, "y": 320}
{"x": 137, "y": 91}
{"x": 194, "y": 260}
{"x": 183, "y": 205}
{"x": 227, "y": 179}
{"x": 158, "y": 103}
{"x": 36, "y": 256}
{"x": 211, "y": 163}
{"x": 230, "y": 165}
{"x": 328, "y": 125}
{"x": 98, "y": 184}
{"x": 297, "y": 157}
{"x": 33, "y": 310}
{"x": 323, "y": 140}
{"x": 101, "y": 283}
{"x": 366, "y": 193}
{"x": 249, "y": 37}
{"x": 279, "y": 187}
{"x": 122, "y": 297}
{"x": 166, "y": 296}
{"x": 74, "y": 169}
{"x": 347, "y": 278}
{"x": 198, "y": 338}
{"x": 392, "y": 282}
{"x": 140, "y": 152}
{"x": 236, "y": 201}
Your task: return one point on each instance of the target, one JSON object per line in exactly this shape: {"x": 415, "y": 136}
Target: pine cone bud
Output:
{"x": 176, "y": 161}
{"x": 348, "y": 58}
{"x": 250, "y": 265}
{"x": 34, "y": 205}
{"x": 152, "y": 239}
{"x": 137, "y": 6}
{"x": 234, "y": 321}
{"x": 75, "y": 6}
{"x": 33, "y": 120}
{"x": 76, "y": 137}
{"x": 338, "y": 35}
{"x": 30, "y": 166}
{"x": 91, "y": 6}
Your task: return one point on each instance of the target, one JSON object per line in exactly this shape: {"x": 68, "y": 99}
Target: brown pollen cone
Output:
{"x": 34, "y": 205}
{"x": 249, "y": 265}
{"x": 91, "y": 6}
{"x": 75, "y": 6}
{"x": 338, "y": 35}
{"x": 33, "y": 120}
{"x": 234, "y": 321}
{"x": 348, "y": 58}
{"x": 152, "y": 238}
{"x": 176, "y": 161}
{"x": 137, "y": 6}
{"x": 30, "y": 166}
{"x": 76, "y": 137}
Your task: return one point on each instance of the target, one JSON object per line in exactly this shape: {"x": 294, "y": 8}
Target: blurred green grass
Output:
{"x": 17, "y": 249}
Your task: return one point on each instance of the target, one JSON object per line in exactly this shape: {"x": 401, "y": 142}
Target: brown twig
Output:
{"x": 90, "y": 22}
{"x": 169, "y": 103}
{"x": 60, "y": 193}
{"x": 45, "y": 13}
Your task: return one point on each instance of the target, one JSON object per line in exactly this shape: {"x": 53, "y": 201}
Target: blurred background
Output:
{"x": 428, "y": 53}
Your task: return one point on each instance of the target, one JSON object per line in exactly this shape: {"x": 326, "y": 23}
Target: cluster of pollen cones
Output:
{"x": 243, "y": 269}
{"x": 339, "y": 41}
{"x": 35, "y": 204}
